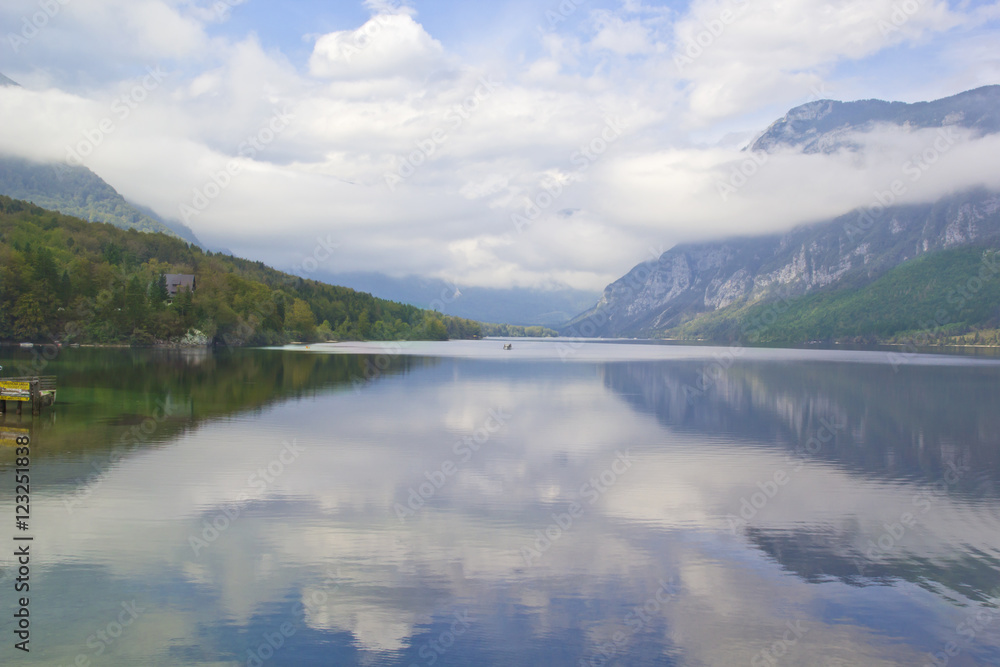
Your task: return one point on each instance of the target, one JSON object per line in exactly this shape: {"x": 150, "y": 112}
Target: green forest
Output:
{"x": 516, "y": 331}
{"x": 65, "y": 279}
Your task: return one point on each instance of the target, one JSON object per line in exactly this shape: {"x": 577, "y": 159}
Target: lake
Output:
{"x": 561, "y": 503}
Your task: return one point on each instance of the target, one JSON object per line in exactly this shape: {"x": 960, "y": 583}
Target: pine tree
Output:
{"x": 159, "y": 294}
{"x": 65, "y": 288}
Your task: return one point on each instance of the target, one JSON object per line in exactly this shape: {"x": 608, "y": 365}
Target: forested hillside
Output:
{"x": 933, "y": 298}
{"x": 74, "y": 191}
{"x": 62, "y": 278}
{"x": 77, "y": 191}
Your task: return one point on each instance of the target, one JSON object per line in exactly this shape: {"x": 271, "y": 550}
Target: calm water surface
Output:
{"x": 558, "y": 504}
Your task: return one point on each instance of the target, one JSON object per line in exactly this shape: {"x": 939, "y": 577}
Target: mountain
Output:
{"x": 80, "y": 192}
{"x": 692, "y": 279}
{"x": 822, "y": 126}
{"x": 63, "y": 278}
{"x": 517, "y": 306}
{"x": 934, "y": 298}
{"x": 710, "y": 287}
{"x": 176, "y": 226}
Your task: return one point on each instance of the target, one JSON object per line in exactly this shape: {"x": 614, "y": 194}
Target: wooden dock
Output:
{"x": 39, "y": 391}
{"x": 10, "y": 434}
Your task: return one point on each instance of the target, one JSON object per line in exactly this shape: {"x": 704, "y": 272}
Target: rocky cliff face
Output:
{"x": 694, "y": 278}
{"x": 824, "y": 126}
{"x": 854, "y": 249}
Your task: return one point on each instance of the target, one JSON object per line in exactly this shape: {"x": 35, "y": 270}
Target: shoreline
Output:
{"x": 930, "y": 348}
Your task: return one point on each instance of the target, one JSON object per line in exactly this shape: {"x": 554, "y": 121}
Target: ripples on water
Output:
{"x": 562, "y": 503}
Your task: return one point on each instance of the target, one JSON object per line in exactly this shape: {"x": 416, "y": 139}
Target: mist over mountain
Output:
{"x": 825, "y": 126}
{"x": 518, "y": 306}
{"x": 692, "y": 281}
{"x": 77, "y": 191}
{"x": 176, "y": 226}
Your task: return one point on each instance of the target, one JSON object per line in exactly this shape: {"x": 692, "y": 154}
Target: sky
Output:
{"x": 513, "y": 143}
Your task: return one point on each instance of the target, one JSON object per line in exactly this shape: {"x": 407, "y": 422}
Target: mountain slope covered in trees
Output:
{"x": 933, "y": 298}
{"x": 79, "y": 192}
{"x": 62, "y": 278}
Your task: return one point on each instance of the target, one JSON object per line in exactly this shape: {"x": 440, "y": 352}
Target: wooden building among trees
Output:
{"x": 180, "y": 281}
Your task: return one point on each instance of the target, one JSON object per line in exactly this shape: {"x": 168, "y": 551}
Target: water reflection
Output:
{"x": 308, "y": 510}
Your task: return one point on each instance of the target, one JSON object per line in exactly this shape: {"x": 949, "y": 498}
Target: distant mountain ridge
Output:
{"x": 516, "y": 306}
{"x": 694, "y": 280}
{"x": 821, "y": 126}
{"x": 691, "y": 279}
{"x": 77, "y": 191}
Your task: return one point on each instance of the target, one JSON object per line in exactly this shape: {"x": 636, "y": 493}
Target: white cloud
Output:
{"x": 387, "y": 45}
{"x": 214, "y": 11}
{"x": 478, "y": 143}
{"x": 620, "y": 36}
{"x": 739, "y": 54}
{"x": 696, "y": 194}
{"x": 98, "y": 39}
